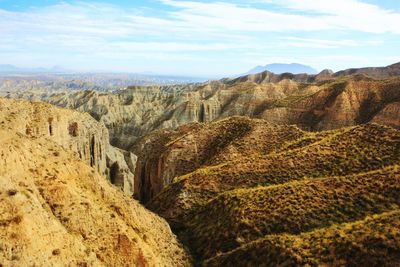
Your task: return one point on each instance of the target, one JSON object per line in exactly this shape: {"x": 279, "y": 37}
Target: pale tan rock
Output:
{"x": 75, "y": 131}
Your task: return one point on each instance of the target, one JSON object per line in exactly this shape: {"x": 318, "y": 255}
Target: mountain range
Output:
{"x": 7, "y": 68}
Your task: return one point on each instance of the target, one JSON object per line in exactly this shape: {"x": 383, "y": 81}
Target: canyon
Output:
{"x": 318, "y": 102}
{"x": 262, "y": 169}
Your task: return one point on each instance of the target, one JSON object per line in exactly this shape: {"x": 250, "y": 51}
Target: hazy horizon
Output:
{"x": 198, "y": 38}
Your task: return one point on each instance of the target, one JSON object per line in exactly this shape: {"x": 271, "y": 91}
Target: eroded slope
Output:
{"x": 57, "y": 210}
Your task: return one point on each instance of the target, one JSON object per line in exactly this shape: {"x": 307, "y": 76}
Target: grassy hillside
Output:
{"x": 335, "y": 153}
{"x": 243, "y": 215}
{"x": 288, "y": 189}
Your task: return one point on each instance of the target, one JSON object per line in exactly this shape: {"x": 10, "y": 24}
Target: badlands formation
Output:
{"x": 313, "y": 102}
{"x": 260, "y": 170}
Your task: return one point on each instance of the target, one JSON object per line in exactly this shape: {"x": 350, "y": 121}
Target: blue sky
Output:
{"x": 198, "y": 38}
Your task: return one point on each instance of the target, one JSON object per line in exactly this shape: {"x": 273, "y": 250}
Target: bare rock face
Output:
{"x": 56, "y": 210}
{"x": 75, "y": 131}
{"x": 121, "y": 166}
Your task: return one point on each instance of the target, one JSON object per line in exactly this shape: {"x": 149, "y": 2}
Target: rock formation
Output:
{"x": 75, "y": 131}
{"x": 57, "y": 210}
{"x": 326, "y": 101}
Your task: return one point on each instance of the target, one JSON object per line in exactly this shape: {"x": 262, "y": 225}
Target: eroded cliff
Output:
{"x": 55, "y": 209}
{"x": 75, "y": 131}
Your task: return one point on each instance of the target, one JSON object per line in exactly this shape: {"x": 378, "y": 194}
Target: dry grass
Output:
{"x": 292, "y": 182}
{"x": 243, "y": 215}
{"x": 374, "y": 241}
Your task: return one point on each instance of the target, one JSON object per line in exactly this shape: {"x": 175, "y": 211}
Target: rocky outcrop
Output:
{"x": 324, "y": 75}
{"x": 56, "y": 210}
{"x": 75, "y": 131}
{"x": 121, "y": 165}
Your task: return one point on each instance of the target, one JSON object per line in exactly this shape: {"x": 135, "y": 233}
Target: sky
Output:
{"x": 198, "y": 38}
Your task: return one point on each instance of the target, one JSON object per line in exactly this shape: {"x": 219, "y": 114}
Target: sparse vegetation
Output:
{"x": 374, "y": 241}
{"x": 11, "y": 192}
{"x": 275, "y": 193}
{"x": 294, "y": 207}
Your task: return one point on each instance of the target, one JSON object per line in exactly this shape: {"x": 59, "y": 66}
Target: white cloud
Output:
{"x": 323, "y": 43}
{"x": 347, "y": 14}
{"x": 191, "y": 29}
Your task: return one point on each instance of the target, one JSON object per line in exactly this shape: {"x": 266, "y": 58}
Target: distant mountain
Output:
{"x": 7, "y": 68}
{"x": 327, "y": 74}
{"x": 279, "y": 68}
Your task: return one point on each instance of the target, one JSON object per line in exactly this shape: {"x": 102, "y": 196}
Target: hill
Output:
{"x": 373, "y": 241}
{"x": 226, "y": 184}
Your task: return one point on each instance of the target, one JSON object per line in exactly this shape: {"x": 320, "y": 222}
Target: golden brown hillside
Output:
{"x": 250, "y": 180}
{"x": 56, "y": 210}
